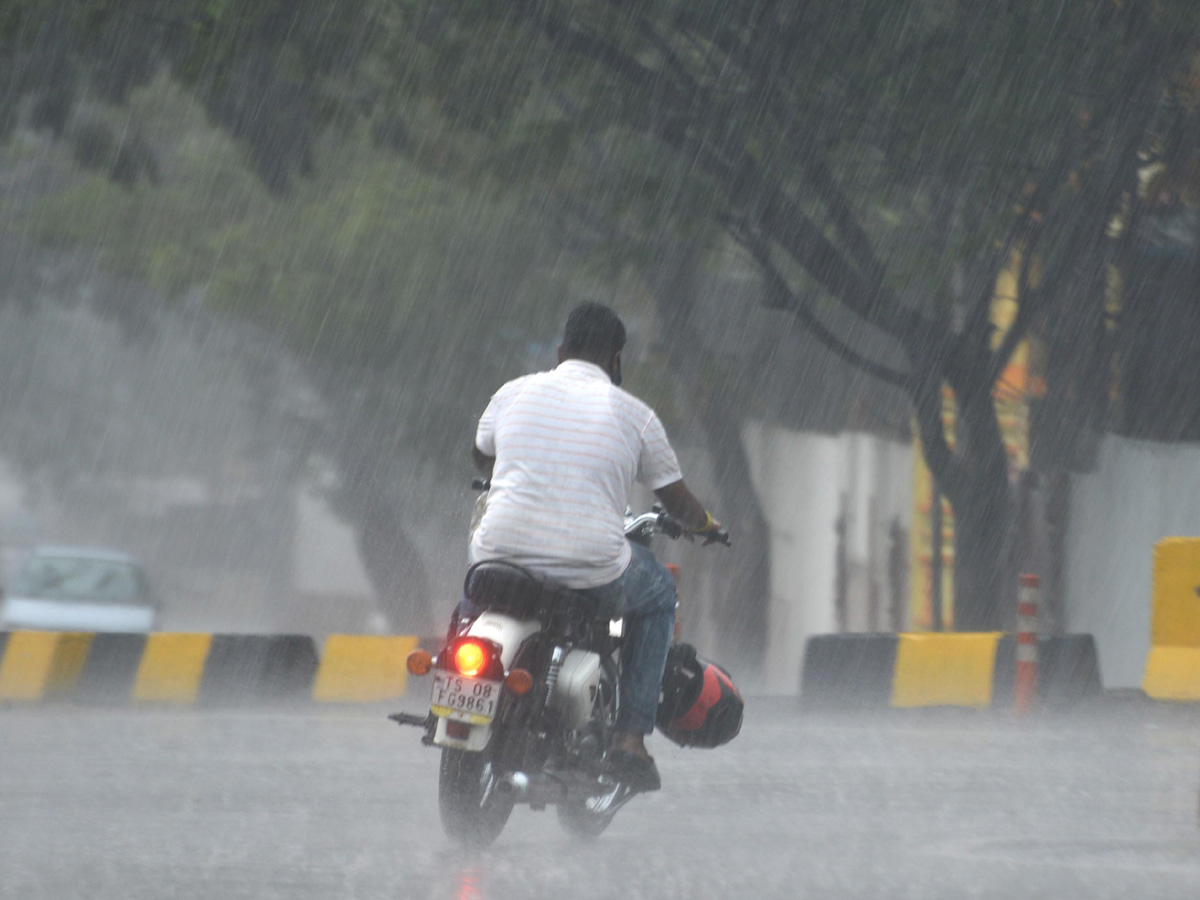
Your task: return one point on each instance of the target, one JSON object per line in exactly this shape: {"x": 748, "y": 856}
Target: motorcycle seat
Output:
{"x": 507, "y": 587}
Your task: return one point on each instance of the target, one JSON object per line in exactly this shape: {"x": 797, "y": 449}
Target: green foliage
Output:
{"x": 934, "y": 116}
{"x": 430, "y": 291}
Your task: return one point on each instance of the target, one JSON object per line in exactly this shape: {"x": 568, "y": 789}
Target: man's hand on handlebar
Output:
{"x": 712, "y": 533}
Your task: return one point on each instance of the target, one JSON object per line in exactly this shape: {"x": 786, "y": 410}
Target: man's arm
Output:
{"x": 682, "y": 504}
{"x": 483, "y": 462}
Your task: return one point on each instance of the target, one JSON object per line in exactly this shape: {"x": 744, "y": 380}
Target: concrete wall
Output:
{"x": 805, "y": 481}
{"x": 1139, "y": 493}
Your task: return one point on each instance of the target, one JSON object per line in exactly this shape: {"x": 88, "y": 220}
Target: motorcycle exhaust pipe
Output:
{"x": 542, "y": 788}
{"x": 537, "y": 788}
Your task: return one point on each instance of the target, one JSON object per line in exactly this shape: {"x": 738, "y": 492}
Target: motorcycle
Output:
{"x": 525, "y": 697}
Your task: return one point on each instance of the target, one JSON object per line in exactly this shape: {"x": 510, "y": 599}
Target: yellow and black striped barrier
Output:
{"x": 157, "y": 668}
{"x": 880, "y": 671}
{"x": 202, "y": 669}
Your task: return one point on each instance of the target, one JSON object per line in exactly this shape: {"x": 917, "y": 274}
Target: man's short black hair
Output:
{"x": 593, "y": 330}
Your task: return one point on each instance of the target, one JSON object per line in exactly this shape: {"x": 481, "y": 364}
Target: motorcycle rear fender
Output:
{"x": 504, "y": 630}
{"x": 509, "y": 634}
{"x": 476, "y": 740}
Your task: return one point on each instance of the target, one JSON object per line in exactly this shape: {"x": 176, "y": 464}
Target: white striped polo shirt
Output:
{"x": 568, "y": 445}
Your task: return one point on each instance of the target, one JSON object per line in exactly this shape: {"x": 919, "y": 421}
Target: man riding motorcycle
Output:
{"x": 566, "y": 446}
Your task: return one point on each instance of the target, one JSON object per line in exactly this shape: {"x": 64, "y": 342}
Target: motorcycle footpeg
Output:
{"x": 403, "y": 718}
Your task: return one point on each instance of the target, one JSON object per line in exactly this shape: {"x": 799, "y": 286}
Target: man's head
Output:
{"x": 595, "y": 334}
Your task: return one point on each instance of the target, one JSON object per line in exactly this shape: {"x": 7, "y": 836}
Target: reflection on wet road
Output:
{"x": 342, "y": 804}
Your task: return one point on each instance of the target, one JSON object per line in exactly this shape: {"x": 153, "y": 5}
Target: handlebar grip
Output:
{"x": 722, "y": 537}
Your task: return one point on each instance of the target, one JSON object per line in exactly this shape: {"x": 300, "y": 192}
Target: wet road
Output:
{"x": 320, "y": 804}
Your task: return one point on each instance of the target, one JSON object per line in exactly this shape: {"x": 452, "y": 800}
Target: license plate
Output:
{"x": 465, "y": 699}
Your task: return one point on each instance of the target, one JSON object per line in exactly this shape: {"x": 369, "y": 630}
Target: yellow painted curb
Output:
{"x": 944, "y": 670}
{"x": 171, "y": 667}
{"x": 362, "y": 668}
{"x": 1172, "y": 673}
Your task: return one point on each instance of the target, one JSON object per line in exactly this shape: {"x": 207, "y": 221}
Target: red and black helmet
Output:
{"x": 700, "y": 707}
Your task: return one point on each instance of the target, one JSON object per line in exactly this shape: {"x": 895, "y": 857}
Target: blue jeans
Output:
{"x": 644, "y": 596}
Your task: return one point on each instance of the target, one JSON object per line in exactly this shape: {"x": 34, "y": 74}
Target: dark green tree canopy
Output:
{"x": 881, "y": 157}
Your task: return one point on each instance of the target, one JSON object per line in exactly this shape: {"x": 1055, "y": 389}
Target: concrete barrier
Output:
{"x": 848, "y": 672}
{"x": 362, "y": 668}
{"x": 1173, "y": 664}
{"x": 258, "y": 668}
{"x": 166, "y": 668}
{"x": 976, "y": 670}
{"x": 38, "y": 665}
{"x": 171, "y": 667}
{"x": 944, "y": 670}
{"x": 1068, "y": 670}
{"x": 110, "y": 670}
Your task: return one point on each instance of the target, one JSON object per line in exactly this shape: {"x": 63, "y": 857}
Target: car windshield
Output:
{"x": 73, "y": 578}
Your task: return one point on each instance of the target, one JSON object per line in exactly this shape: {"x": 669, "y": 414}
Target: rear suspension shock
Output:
{"x": 556, "y": 661}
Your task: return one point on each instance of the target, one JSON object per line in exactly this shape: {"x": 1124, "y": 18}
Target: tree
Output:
{"x": 886, "y": 157}
{"x": 404, "y": 297}
{"x": 341, "y": 262}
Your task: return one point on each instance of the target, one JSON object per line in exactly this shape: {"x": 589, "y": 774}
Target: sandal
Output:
{"x": 636, "y": 771}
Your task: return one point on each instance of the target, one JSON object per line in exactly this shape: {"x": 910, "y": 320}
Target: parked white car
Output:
{"x": 78, "y": 589}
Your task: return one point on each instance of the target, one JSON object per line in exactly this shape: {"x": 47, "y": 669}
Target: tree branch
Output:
{"x": 785, "y": 298}
{"x": 946, "y": 468}
{"x": 778, "y": 214}
{"x": 844, "y": 219}
{"x": 1016, "y": 331}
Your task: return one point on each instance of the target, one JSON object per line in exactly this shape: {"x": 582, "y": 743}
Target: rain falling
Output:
{"x": 826, "y": 370}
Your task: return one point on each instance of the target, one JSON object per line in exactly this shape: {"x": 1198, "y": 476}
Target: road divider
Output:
{"x": 110, "y": 670}
{"x": 1173, "y": 664}
{"x": 362, "y": 668}
{"x": 171, "y": 667}
{"x": 257, "y": 668}
{"x": 39, "y": 664}
{"x": 944, "y": 670}
{"x": 159, "y": 668}
{"x": 977, "y": 670}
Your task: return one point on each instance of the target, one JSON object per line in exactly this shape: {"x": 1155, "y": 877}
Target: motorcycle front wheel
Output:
{"x": 473, "y": 810}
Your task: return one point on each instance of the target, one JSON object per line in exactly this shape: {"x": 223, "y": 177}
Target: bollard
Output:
{"x": 1027, "y": 645}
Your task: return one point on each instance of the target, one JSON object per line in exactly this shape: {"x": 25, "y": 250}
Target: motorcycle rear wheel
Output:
{"x": 473, "y": 809}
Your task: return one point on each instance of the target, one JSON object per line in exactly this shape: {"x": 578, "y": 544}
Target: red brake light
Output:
{"x": 470, "y": 659}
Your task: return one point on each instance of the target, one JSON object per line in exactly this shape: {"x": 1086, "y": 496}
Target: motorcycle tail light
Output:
{"x": 470, "y": 658}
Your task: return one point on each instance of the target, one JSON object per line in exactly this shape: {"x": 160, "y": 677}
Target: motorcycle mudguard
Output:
{"x": 477, "y": 736}
{"x": 509, "y": 634}
{"x": 504, "y": 630}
